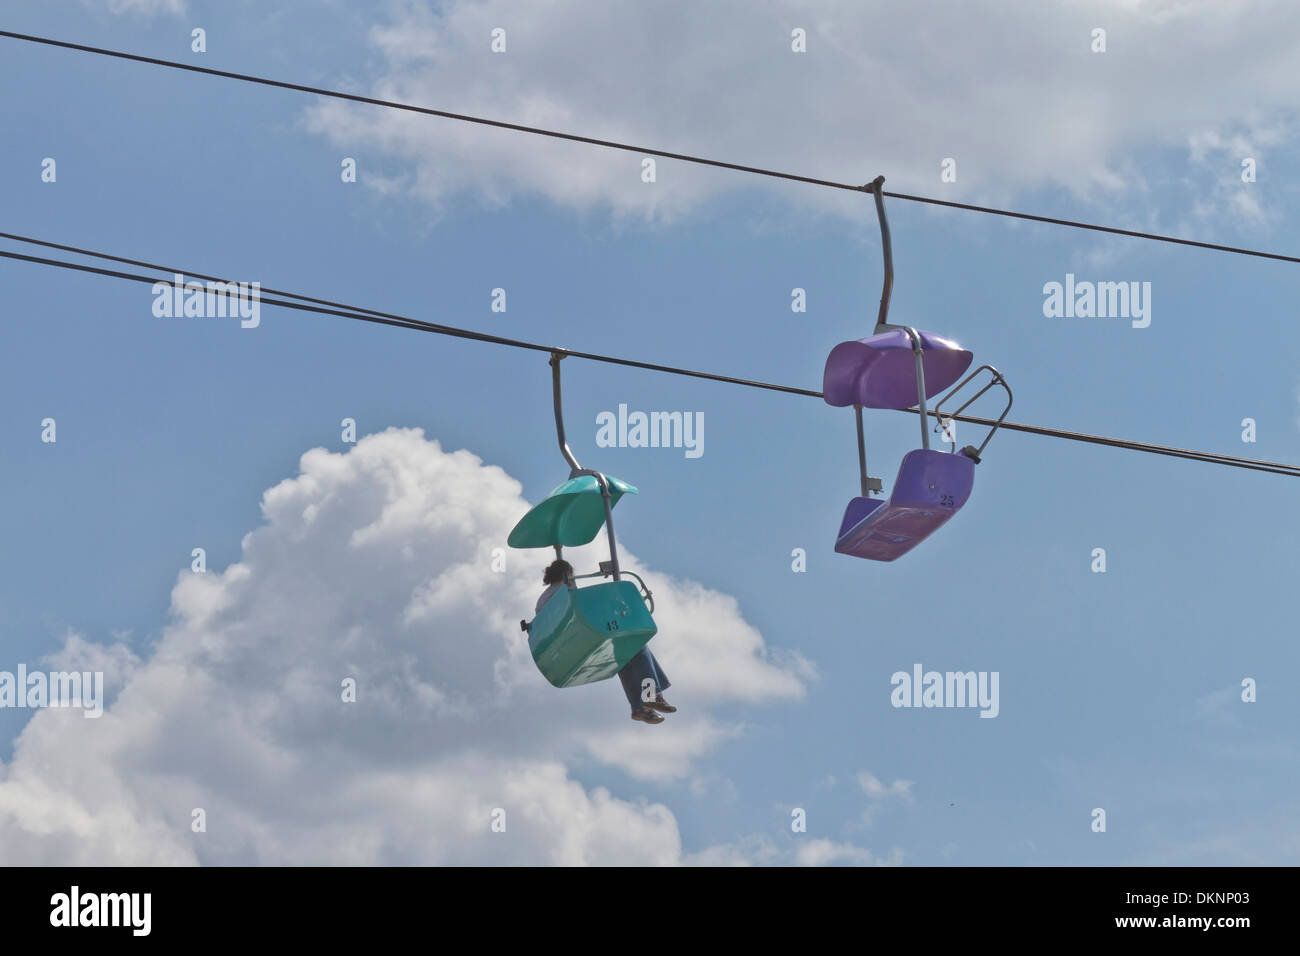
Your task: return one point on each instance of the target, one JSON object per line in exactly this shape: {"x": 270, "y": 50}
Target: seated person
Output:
{"x": 557, "y": 575}
{"x": 647, "y": 699}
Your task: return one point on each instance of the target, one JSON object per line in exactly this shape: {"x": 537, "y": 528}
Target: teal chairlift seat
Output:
{"x": 583, "y": 634}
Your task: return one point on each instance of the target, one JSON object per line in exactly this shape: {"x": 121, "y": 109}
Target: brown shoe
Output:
{"x": 647, "y": 715}
{"x": 661, "y": 705}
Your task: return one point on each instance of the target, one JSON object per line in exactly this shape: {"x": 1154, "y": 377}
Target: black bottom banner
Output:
{"x": 131, "y": 905}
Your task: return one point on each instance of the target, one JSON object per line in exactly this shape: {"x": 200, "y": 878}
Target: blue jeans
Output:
{"x": 640, "y": 667}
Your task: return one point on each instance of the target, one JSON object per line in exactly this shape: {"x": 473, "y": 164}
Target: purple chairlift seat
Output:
{"x": 931, "y": 487}
{"x": 880, "y": 371}
{"x": 901, "y": 367}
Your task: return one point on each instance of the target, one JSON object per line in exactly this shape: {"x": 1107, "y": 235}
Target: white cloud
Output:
{"x": 143, "y": 7}
{"x": 374, "y": 564}
{"x": 1011, "y": 91}
{"x": 117, "y": 662}
{"x": 876, "y": 790}
{"x": 751, "y": 851}
{"x": 801, "y": 851}
{"x": 823, "y": 852}
{"x": 877, "y": 793}
{"x": 1221, "y": 195}
{"x": 1222, "y": 706}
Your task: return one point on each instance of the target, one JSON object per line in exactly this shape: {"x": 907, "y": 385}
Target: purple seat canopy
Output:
{"x": 930, "y": 488}
{"x": 880, "y": 371}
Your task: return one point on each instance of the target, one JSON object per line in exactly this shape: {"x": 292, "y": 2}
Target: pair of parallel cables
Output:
{"x": 320, "y": 306}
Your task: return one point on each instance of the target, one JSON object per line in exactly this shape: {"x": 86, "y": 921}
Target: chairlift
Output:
{"x": 901, "y": 367}
{"x": 587, "y": 633}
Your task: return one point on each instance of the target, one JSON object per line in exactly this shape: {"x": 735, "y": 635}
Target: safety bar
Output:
{"x": 605, "y": 572}
{"x": 942, "y": 421}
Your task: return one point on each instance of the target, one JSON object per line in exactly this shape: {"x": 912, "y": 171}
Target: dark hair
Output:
{"x": 557, "y": 573}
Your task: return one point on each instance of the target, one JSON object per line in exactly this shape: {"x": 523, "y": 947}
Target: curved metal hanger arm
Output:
{"x": 887, "y": 250}
{"x": 574, "y": 467}
{"x": 576, "y": 470}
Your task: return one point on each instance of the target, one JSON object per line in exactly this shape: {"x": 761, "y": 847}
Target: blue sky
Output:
{"x": 1118, "y": 690}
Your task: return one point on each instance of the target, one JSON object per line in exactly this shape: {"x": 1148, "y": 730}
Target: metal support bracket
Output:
{"x": 869, "y": 484}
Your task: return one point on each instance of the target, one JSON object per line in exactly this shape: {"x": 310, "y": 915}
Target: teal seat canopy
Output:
{"x": 569, "y": 516}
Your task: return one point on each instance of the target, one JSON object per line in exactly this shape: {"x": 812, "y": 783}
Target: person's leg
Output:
{"x": 657, "y": 702}
{"x": 633, "y": 673}
{"x": 661, "y": 679}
